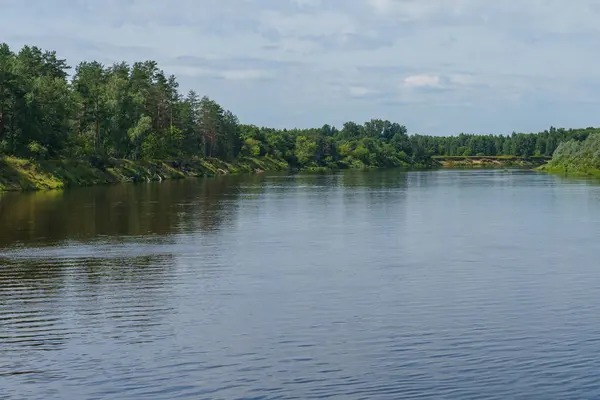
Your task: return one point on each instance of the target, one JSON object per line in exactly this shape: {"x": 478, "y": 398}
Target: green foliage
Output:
{"x": 137, "y": 134}
{"x": 579, "y": 157}
{"x": 151, "y": 147}
{"x": 517, "y": 144}
{"x": 306, "y": 150}
{"x": 119, "y": 111}
{"x": 135, "y": 112}
{"x": 37, "y": 151}
{"x": 251, "y": 147}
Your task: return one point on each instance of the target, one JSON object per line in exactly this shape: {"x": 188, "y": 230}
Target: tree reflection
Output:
{"x": 47, "y": 217}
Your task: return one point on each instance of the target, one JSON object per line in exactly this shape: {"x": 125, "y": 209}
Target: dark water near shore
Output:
{"x": 445, "y": 284}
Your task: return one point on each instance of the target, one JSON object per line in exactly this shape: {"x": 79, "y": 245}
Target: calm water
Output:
{"x": 380, "y": 285}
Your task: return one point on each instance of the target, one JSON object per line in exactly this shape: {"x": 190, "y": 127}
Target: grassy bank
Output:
{"x": 570, "y": 172}
{"x": 25, "y": 175}
{"x": 574, "y": 170}
{"x": 491, "y": 161}
{"x": 20, "y": 175}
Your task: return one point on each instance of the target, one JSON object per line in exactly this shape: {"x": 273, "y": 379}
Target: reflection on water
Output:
{"x": 381, "y": 284}
{"x": 114, "y": 211}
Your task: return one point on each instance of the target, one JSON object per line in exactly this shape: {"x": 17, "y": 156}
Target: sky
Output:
{"x": 437, "y": 66}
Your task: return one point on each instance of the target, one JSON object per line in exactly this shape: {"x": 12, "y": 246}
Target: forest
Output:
{"x": 49, "y": 110}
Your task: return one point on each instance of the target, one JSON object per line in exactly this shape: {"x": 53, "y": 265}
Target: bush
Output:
{"x": 577, "y": 156}
{"x": 251, "y": 147}
{"x": 37, "y": 151}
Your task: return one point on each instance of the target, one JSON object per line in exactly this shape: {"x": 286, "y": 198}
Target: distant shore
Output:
{"x": 491, "y": 161}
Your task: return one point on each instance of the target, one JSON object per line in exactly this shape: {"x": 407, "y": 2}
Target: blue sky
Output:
{"x": 437, "y": 66}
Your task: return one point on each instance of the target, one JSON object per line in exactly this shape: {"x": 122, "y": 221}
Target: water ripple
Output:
{"x": 433, "y": 285}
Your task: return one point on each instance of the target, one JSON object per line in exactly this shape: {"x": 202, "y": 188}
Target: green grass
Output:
{"x": 18, "y": 174}
{"x": 576, "y": 172}
{"x": 21, "y": 175}
{"x": 24, "y": 175}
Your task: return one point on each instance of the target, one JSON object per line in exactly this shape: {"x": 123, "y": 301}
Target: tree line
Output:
{"x": 118, "y": 111}
{"x": 517, "y": 144}
{"x": 48, "y": 110}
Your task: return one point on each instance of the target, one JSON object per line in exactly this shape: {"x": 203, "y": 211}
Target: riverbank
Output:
{"x": 491, "y": 161}
{"x": 576, "y": 158}
{"x": 26, "y": 175}
{"x": 575, "y": 172}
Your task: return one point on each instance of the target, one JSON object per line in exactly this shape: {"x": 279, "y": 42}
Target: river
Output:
{"x": 384, "y": 284}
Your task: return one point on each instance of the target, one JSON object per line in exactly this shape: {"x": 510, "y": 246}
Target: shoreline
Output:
{"x": 573, "y": 172}
{"x": 27, "y": 175}
{"x": 489, "y": 162}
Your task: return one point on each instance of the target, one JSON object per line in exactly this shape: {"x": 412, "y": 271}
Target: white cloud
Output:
{"x": 422, "y": 80}
{"x": 419, "y": 9}
{"x": 462, "y": 79}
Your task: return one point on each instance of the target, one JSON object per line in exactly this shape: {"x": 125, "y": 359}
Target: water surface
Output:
{"x": 384, "y": 284}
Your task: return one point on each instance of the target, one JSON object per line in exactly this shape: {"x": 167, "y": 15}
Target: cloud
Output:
{"x": 309, "y": 25}
{"x": 360, "y": 91}
{"x": 455, "y": 81}
{"x": 462, "y": 79}
{"x": 227, "y": 74}
{"x": 381, "y": 6}
{"x": 243, "y": 74}
{"x": 422, "y": 80}
{"x": 419, "y": 9}
{"x": 546, "y": 15}
{"x": 307, "y": 3}
{"x": 437, "y": 66}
